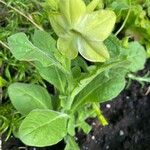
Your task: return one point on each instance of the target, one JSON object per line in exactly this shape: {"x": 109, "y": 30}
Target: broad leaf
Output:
{"x": 24, "y": 50}
{"x": 136, "y": 55}
{"x": 43, "y": 128}
{"x": 103, "y": 88}
{"x": 44, "y": 41}
{"x": 27, "y": 97}
{"x": 53, "y": 75}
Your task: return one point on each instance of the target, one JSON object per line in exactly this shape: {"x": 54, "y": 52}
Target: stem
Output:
{"x": 4, "y": 45}
{"x": 139, "y": 79}
{"x": 100, "y": 116}
{"x": 125, "y": 21}
{"x": 22, "y": 14}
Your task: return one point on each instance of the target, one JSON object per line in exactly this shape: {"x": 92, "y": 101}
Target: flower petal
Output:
{"x": 59, "y": 24}
{"x": 72, "y": 9}
{"x": 98, "y": 25}
{"x": 68, "y": 46}
{"x": 93, "y": 51}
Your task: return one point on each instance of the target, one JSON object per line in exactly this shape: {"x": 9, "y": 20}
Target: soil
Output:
{"x": 129, "y": 123}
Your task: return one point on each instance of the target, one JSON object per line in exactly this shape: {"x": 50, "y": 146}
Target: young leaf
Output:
{"x": 102, "y": 88}
{"x": 27, "y": 97}
{"x": 53, "y": 75}
{"x": 43, "y": 128}
{"x": 137, "y": 56}
{"x": 71, "y": 144}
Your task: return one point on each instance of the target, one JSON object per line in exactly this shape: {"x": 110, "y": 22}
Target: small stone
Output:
{"x": 93, "y": 137}
{"x": 93, "y": 123}
{"x": 76, "y": 138}
{"x": 121, "y": 133}
{"x": 108, "y": 106}
{"x": 107, "y": 147}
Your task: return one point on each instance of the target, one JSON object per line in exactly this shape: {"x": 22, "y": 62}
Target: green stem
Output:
{"x": 125, "y": 21}
{"x": 100, "y": 116}
{"x": 4, "y": 45}
{"x": 139, "y": 79}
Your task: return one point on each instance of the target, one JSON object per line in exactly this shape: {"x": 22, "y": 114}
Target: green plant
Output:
{"x": 78, "y": 86}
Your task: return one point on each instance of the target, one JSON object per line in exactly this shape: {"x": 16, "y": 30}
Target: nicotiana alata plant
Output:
{"x": 78, "y": 86}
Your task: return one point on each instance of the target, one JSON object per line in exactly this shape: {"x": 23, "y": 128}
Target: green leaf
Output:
{"x": 71, "y": 125}
{"x": 43, "y": 128}
{"x": 102, "y": 88}
{"x": 24, "y": 50}
{"x": 26, "y": 97}
{"x": 71, "y": 144}
{"x": 53, "y": 75}
{"x": 44, "y": 41}
{"x": 85, "y": 127}
{"x": 137, "y": 56}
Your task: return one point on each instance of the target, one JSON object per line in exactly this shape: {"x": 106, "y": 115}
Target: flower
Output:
{"x": 82, "y": 31}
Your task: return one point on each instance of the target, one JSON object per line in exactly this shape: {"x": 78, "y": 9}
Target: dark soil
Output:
{"x": 129, "y": 123}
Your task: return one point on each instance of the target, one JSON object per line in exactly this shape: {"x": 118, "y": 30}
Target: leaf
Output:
{"x": 71, "y": 126}
{"x": 101, "y": 21}
{"x": 102, "y": 88}
{"x": 85, "y": 127}
{"x": 43, "y": 128}
{"x": 137, "y": 56}
{"x": 92, "y": 50}
{"x": 24, "y": 50}
{"x": 114, "y": 47}
{"x": 27, "y": 97}
{"x": 72, "y": 10}
{"x": 71, "y": 144}
{"x": 44, "y": 41}
{"x": 53, "y": 75}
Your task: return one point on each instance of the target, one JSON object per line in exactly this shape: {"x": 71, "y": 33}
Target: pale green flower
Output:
{"x": 80, "y": 30}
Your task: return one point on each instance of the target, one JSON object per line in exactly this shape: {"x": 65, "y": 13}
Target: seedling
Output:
{"x": 78, "y": 86}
